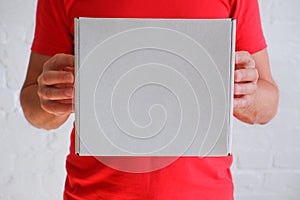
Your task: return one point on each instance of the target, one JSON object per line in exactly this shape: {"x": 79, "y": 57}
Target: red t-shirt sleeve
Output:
{"x": 249, "y": 34}
{"x": 52, "y": 30}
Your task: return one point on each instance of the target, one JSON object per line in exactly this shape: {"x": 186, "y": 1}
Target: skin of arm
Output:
{"x": 47, "y": 94}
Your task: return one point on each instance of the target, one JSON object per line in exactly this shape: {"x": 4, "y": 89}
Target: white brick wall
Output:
{"x": 266, "y": 158}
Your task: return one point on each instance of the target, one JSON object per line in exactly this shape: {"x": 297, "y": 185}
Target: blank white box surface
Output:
{"x": 153, "y": 87}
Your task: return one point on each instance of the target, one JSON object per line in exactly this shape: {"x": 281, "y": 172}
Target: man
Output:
{"x": 47, "y": 95}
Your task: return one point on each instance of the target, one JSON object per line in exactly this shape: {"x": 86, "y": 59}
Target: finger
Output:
{"x": 51, "y": 93}
{"x": 66, "y": 101}
{"x": 242, "y": 102}
{"x": 245, "y": 88}
{"x": 238, "y": 102}
{"x": 69, "y": 69}
{"x": 243, "y": 59}
{"x": 246, "y": 75}
{"x": 59, "y": 62}
{"x": 64, "y": 85}
{"x": 56, "y": 77}
{"x": 57, "y": 108}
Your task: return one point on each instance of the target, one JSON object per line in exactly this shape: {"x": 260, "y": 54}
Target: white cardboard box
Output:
{"x": 154, "y": 87}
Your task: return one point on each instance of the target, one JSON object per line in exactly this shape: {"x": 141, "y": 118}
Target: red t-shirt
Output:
{"x": 187, "y": 178}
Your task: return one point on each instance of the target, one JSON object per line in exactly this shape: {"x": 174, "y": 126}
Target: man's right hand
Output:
{"x": 47, "y": 93}
{"x": 56, "y": 85}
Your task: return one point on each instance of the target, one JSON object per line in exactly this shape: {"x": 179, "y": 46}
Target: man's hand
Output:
{"x": 55, "y": 85}
{"x": 245, "y": 83}
{"x": 255, "y": 92}
{"x": 47, "y": 93}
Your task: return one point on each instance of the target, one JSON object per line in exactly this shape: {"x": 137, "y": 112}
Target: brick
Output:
{"x": 286, "y": 102}
{"x": 298, "y": 122}
{"x": 34, "y": 163}
{"x": 291, "y": 13}
{"x": 7, "y": 98}
{"x": 2, "y": 78}
{"x": 22, "y": 135}
{"x": 293, "y": 77}
{"x": 254, "y": 138}
{"x": 6, "y": 168}
{"x": 2, "y": 123}
{"x": 3, "y": 58}
{"x": 22, "y": 187}
{"x": 285, "y": 139}
{"x": 283, "y": 182}
{"x": 17, "y": 23}
{"x": 16, "y": 68}
{"x": 28, "y": 36}
{"x": 277, "y": 36}
{"x": 286, "y": 119}
{"x": 265, "y": 12}
{"x": 53, "y": 184}
{"x": 8, "y": 165}
{"x": 58, "y": 141}
{"x": 287, "y": 159}
{"x": 22, "y": 124}
{"x": 3, "y": 35}
{"x": 254, "y": 160}
{"x": 265, "y": 197}
{"x": 246, "y": 182}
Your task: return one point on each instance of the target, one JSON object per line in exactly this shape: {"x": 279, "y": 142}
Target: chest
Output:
{"x": 147, "y": 9}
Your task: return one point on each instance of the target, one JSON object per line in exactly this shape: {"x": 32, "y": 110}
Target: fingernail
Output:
{"x": 237, "y": 88}
{"x": 68, "y": 77}
{"x": 235, "y": 103}
{"x": 239, "y": 76}
{"x": 69, "y": 92}
{"x": 237, "y": 58}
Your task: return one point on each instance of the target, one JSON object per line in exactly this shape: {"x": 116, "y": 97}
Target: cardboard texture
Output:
{"x": 154, "y": 87}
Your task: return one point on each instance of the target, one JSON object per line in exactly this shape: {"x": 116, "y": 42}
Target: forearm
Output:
{"x": 35, "y": 114}
{"x": 264, "y": 108}
{"x": 266, "y": 102}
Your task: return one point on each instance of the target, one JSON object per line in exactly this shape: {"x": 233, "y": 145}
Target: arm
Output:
{"x": 256, "y": 93}
{"x": 47, "y": 93}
